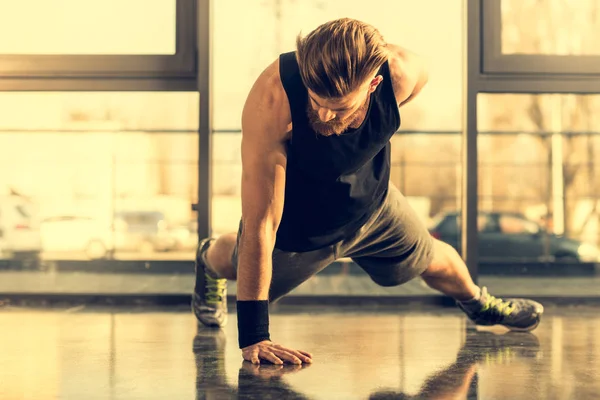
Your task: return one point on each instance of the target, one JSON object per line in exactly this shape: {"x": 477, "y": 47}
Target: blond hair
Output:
{"x": 337, "y": 58}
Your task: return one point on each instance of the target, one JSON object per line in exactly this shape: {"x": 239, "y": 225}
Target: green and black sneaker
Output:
{"x": 515, "y": 314}
{"x": 209, "y": 300}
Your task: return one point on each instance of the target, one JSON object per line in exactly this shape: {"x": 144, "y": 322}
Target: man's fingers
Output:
{"x": 301, "y": 355}
{"x": 287, "y": 356}
{"x": 252, "y": 356}
{"x": 305, "y": 353}
{"x": 275, "y": 354}
{"x": 267, "y": 355}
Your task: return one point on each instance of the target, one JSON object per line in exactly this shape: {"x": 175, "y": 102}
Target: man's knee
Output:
{"x": 405, "y": 270}
{"x": 403, "y": 273}
{"x": 444, "y": 256}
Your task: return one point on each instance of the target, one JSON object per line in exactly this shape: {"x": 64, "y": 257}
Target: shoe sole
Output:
{"x": 485, "y": 328}
{"x": 528, "y": 329}
{"x": 515, "y": 329}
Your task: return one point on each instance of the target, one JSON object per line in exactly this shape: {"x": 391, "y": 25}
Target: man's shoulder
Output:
{"x": 269, "y": 81}
{"x": 267, "y": 90}
{"x": 267, "y": 100}
{"x": 405, "y": 68}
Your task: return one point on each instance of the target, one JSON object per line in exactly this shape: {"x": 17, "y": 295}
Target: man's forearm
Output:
{"x": 254, "y": 267}
{"x": 254, "y": 280}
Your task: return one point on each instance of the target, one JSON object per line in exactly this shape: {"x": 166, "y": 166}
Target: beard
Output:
{"x": 335, "y": 126}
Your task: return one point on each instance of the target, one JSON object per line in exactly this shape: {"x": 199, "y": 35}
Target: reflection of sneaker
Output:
{"x": 492, "y": 348}
{"x": 209, "y": 353}
{"x": 209, "y": 341}
{"x": 515, "y": 314}
{"x": 209, "y": 300}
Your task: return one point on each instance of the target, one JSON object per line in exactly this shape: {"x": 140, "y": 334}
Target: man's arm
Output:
{"x": 265, "y": 122}
{"x": 410, "y": 74}
{"x": 264, "y": 127}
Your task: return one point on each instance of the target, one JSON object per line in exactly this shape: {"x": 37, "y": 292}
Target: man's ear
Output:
{"x": 374, "y": 83}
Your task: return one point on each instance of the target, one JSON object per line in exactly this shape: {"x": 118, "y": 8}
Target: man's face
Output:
{"x": 334, "y": 116}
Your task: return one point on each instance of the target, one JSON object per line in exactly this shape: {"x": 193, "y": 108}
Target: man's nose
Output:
{"x": 326, "y": 115}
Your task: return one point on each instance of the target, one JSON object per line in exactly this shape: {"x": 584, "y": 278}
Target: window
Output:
{"x": 539, "y": 173}
{"x": 543, "y": 36}
{"x": 270, "y": 28}
{"x": 85, "y": 176}
{"x": 550, "y": 27}
{"x": 71, "y": 27}
{"x": 70, "y": 38}
{"x": 426, "y": 156}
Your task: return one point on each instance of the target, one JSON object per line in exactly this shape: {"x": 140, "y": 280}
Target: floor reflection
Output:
{"x": 79, "y": 353}
{"x": 265, "y": 381}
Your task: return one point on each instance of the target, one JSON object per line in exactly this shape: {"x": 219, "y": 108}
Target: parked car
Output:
{"x": 143, "y": 231}
{"x": 510, "y": 237}
{"x": 20, "y": 238}
{"x": 132, "y": 231}
{"x": 79, "y": 234}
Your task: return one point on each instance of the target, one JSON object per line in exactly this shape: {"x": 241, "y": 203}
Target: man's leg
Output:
{"x": 448, "y": 273}
{"x": 219, "y": 256}
{"x": 394, "y": 247}
{"x": 216, "y": 261}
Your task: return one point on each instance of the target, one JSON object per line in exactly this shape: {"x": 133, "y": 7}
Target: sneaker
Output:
{"x": 209, "y": 300}
{"x": 515, "y": 314}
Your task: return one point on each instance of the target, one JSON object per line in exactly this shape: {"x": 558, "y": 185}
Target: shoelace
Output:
{"x": 503, "y": 307}
{"x": 215, "y": 289}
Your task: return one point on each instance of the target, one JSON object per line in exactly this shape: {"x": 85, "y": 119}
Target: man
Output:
{"x": 316, "y": 137}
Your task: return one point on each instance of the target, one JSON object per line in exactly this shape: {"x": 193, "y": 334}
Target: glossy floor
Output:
{"x": 92, "y": 354}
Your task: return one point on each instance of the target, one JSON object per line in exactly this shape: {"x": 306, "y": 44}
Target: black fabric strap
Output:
{"x": 253, "y": 322}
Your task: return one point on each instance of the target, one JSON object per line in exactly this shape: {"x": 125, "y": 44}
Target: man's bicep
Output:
{"x": 264, "y": 158}
{"x": 265, "y": 121}
{"x": 263, "y": 183}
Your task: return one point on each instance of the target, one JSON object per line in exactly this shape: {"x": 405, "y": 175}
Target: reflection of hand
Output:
{"x": 270, "y": 371}
{"x": 276, "y": 354}
{"x": 265, "y": 381}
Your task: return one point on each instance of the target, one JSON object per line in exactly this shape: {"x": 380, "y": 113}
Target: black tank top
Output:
{"x": 333, "y": 183}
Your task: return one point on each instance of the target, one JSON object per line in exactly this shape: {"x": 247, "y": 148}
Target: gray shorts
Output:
{"x": 393, "y": 247}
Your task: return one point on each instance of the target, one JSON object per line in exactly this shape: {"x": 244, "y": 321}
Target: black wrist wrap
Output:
{"x": 253, "y": 322}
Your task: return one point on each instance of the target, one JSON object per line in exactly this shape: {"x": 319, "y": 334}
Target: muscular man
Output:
{"x": 316, "y": 137}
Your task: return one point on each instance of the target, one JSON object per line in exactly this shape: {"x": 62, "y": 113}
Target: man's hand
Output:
{"x": 274, "y": 353}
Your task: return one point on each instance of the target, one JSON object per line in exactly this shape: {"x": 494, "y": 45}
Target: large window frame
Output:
{"x": 489, "y": 71}
{"x": 111, "y": 72}
{"x": 494, "y": 61}
{"x": 189, "y": 70}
